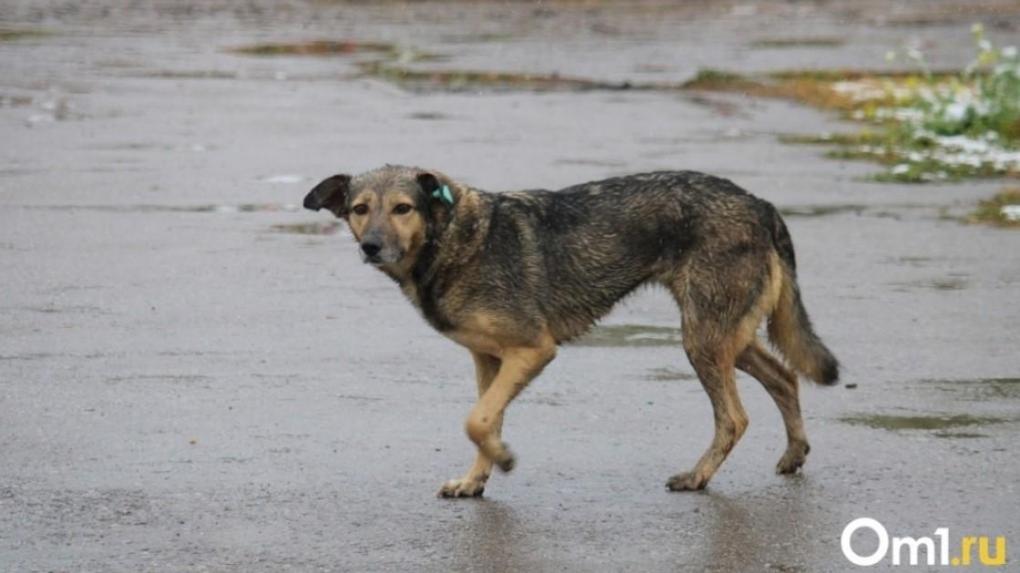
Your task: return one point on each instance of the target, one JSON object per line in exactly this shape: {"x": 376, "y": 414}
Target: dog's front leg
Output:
{"x": 518, "y": 367}
{"x": 473, "y": 482}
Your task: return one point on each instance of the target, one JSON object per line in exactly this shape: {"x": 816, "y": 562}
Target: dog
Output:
{"x": 511, "y": 276}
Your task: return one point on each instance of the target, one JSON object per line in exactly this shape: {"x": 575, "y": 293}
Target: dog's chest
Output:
{"x": 427, "y": 300}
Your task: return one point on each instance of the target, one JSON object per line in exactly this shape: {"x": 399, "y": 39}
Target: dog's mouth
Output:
{"x": 381, "y": 259}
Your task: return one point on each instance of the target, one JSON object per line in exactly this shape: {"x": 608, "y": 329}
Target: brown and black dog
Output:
{"x": 510, "y": 276}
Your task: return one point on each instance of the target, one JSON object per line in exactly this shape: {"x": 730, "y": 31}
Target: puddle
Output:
{"x": 909, "y": 261}
{"x": 18, "y": 172}
{"x": 358, "y": 398}
{"x": 34, "y": 356}
{"x": 820, "y": 210}
{"x": 946, "y": 284}
{"x": 190, "y": 75}
{"x": 428, "y": 116}
{"x": 390, "y": 65}
{"x": 160, "y": 378}
{"x": 315, "y": 228}
{"x": 669, "y": 375}
{"x": 929, "y": 422}
{"x": 720, "y": 107}
{"x": 461, "y": 80}
{"x": 593, "y": 162}
{"x": 30, "y": 356}
{"x": 150, "y": 146}
{"x": 72, "y": 309}
{"x": 476, "y": 38}
{"x": 630, "y": 335}
{"x": 315, "y": 48}
{"x": 959, "y": 435}
{"x": 815, "y": 42}
{"x": 13, "y": 34}
{"x": 980, "y": 389}
{"x": 939, "y": 284}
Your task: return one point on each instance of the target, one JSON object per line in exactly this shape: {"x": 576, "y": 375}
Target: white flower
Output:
{"x": 1009, "y": 52}
{"x": 956, "y": 111}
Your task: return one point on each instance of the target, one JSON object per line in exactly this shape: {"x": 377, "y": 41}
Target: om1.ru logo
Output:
{"x": 914, "y": 546}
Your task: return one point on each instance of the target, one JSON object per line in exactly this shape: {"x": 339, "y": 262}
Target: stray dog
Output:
{"x": 510, "y": 276}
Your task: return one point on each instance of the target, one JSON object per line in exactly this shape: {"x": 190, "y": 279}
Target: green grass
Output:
{"x": 931, "y": 126}
{"x": 990, "y": 211}
{"x": 718, "y": 80}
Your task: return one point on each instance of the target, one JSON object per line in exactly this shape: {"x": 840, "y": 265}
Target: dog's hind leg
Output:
{"x": 473, "y": 482}
{"x": 781, "y": 384}
{"x": 714, "y": 365}
{"x": 721, "y": 309}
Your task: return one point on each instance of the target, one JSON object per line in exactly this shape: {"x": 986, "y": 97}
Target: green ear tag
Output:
{"x": 444, "y": 194}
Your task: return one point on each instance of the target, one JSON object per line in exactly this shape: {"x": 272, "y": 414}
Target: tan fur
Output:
{"x": 473, "y": 482}
{"x": 714, "y": 354}
{"x": 519, "y": 362}
{"x": 519, "y": 365}
{"x": 788, "y": 335}
{"x": 407, "y": 230}
{"x": 781, "y": 384}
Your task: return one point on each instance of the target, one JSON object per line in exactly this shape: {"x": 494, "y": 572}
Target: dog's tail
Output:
{"x": 789, "y": 326}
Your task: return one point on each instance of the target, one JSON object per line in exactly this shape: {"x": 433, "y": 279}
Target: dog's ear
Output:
{"x": 438, "y": 193}
{"x": 429, "y": 183}
{"x": 330, "y": 194}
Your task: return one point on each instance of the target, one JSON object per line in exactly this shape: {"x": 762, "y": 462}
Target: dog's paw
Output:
{"x": 793, "y": 459}
{"x": 506, "y": 460}
{"x": 687, "y": 481}
{"x": 462, "y": 488}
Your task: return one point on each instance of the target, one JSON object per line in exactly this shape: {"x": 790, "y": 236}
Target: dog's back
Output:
{"x": 583, "y": 248}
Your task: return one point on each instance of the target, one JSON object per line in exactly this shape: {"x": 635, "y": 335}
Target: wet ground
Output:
{"x": 197, "y": 376}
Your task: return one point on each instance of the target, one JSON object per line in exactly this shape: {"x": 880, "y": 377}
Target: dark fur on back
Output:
{"x": 566, "y": 257}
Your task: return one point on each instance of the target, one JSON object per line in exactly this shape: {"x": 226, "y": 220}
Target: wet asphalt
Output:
{"x": 195, "y": 375}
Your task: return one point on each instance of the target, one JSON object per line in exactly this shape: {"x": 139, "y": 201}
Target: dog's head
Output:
{"x": 392, "y": 211}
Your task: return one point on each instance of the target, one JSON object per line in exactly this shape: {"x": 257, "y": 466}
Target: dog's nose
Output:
{"x": 371, "y": 249}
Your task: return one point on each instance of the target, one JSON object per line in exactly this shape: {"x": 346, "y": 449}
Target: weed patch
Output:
{"x": 930, "y": 126}
{"x": 1002, "y": 210}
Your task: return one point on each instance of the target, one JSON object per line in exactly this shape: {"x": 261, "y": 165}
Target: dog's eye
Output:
{"x": 360, "y": 209}
{"x": 402, "y": 209}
